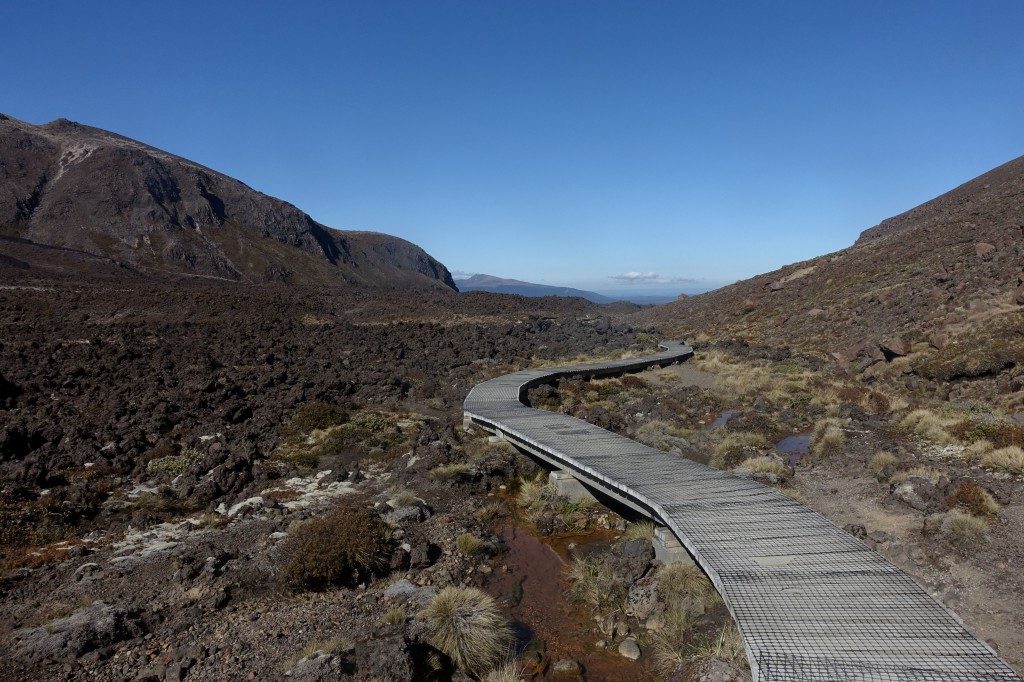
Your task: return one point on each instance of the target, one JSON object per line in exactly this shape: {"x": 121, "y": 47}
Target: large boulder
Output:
{"x": 630, "y": 560}
{"x": 95, "y": 626}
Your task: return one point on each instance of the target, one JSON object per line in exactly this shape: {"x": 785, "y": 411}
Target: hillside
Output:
{"x": 501, "y": 285}
{"x": 942, "y": 281}
{"x": 77, "y": 199}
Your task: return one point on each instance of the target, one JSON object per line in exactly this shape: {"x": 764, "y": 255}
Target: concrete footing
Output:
{"x": 567, "y": 486}
{"x": 667, "y": 548}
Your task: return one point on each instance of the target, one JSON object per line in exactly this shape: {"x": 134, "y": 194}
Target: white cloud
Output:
{"x": 634, "y": 277}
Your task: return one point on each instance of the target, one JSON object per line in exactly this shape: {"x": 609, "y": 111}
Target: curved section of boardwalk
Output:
{"x": 811, "y": 601}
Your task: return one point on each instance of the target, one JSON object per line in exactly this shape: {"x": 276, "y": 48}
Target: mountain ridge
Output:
{"x": 503, "y": 285}
{"x": 76, "y": 187}
{"x": 948, "y": 271}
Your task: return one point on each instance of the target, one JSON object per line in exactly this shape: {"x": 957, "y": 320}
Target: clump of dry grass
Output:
{"x": 448, "y": 472}
{"x": 540, "y": 501}
{"x": 882, "y": 464}
{"x": 403, "y": 498}
{"x": 1009, "y": 459}
{"x": 686, "y": 594}
{"x": 973, "y": 498}
{"x": 736, "y": 447}
{"x": 468, "y": 543}
{"x": 641, "y": 530}
{"x": 662, "y": 434}
{"x": 828, "y": 438}
{"x": 963, "y": 530}
{"x": 592, "y": 583}
{"x": 490, "y": 511}
{"x": 728, "y": 646}
{"x": 763, "y": 465}
{"x": 335, "y": 645}
{"x": 929, "y": 425}
{"x": 467, "y": 626}
{"x": 395, "y": 616}
{"x": 508, "y": 671}
{"x": 924, "y": 472}
{"x": 679, "y": 582}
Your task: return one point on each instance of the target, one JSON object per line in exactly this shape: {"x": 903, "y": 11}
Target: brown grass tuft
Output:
{"x": 466, "y": 625}
{"x": 973, "y": 498}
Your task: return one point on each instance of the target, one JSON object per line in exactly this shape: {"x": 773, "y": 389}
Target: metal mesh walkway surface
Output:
{"x": 811, "y": 602}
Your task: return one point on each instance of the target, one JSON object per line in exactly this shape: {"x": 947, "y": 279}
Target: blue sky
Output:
{"x": 560, "y": 142}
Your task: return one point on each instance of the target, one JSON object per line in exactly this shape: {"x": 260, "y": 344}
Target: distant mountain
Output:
{"x": 76, "y": 198}
{"x": 500, "y": 285}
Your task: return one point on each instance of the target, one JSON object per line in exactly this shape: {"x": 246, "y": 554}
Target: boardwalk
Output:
{"x": 811, "y": 601}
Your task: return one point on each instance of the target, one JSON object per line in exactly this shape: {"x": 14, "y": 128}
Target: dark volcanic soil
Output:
{"x": 116, "y": 568}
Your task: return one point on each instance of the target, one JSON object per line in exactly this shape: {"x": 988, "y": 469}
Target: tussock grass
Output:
{"x": 736, "y": 447}
{"x": 467, "y": 626}
{"x": 976, "y": 450}
{"x": 403, "y": 498}
{"x": 881, "y": 462}
{"x": 468, "y": 543}
{"x": 1009, "y": 459}
{"x": 973, "y": 498}
{"x": 490, "y": 511}
{"x": 592, "y": 583}
{"x": 681, "y": 582}
{"x": 728, "y": 646}
{"x": 924, "y": 472}
{"x": 538, "y": 499}
{"x": 662, "y": 435}
{"x": 929, "y": 425}
{"x": 671, "y": 646}
{"x": 763, "y": 465}
{"x": 963, "y": 530}
{"x": 395, "y": 616}
{"x": 507, "y": 671}
{"x": 448, "y": 472}
{"x": 828, "y": 438}
{"x": 642, "y": 530}
{"x": 335, "y": 645}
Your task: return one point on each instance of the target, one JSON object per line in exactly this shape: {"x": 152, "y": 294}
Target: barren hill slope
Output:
{"x": 947, "y": 274}
{"x": 91, "y": 193}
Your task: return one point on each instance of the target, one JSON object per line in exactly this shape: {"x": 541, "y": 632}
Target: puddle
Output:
{"x": 534, "y": 587}
{"x": 721, "y": 420}
{"x": 794, "y": 447}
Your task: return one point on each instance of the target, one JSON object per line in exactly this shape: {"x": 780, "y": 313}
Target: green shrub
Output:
{"x": 173, "y": 465}
{"x": 466, "y": 625}
{"x": 1000, "y": 434}
{"x": 346, "y": 546}
{"x": 312, "y": 416}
